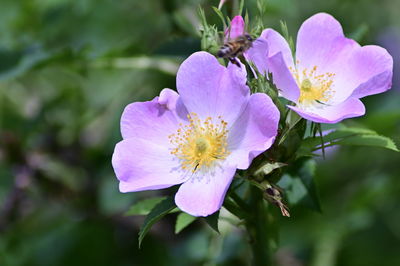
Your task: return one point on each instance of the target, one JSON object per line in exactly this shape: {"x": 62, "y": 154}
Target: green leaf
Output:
{"x": 144, "y": 207}
{"x": 159, "y": 211}
{"x": 292, "y": 120}
{"x": 344, "y": 132}
{"x": 299, "y": 184}
{"x": 268, "y": 168}
{"x": 212, "y": 221}
{"x": 286, "y": 35}
{"x": 209, "y": 35}
{"x": 241, "y": 5}
{"x": 369, "y": 140}
{"x": 182, "y": 221}
{"x": 294, "y": 189}
{"x": 261, "y": 6}
{"x": 247, "y": 20}
{"x": 15, "y": 63}
{"x": 220, "y": 15}
{"x": 306, "y": 175}
{"x": 346, "y": 136}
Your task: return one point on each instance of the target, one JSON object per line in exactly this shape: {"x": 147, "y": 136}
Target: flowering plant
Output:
{"x": 241, "y": 136}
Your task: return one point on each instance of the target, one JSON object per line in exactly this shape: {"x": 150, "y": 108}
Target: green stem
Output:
{"x": 257, "y": 229}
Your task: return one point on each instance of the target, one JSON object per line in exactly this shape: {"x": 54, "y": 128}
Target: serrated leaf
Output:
{"x": 182, "y": 221}
{"x": 144, "y": 207}
{"x": 299, "y": 184}
{"x": 212, "y": 221}
{"x": 306, "y": 175}
{"x": 294, "y": 189}
{"x": 347, "y": 136}
{"x": 268, "y": 168}
{"x": 158, "y": 212}
{"x": 369, "y": 140}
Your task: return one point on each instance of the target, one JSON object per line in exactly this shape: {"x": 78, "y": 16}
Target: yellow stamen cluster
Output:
{"x": 200, "y": 143}
{"x": 313, "y": 87}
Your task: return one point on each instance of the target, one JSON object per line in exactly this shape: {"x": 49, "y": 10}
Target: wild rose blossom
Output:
{"x": 197, "y": 138}
{"x": 331, "y": 72}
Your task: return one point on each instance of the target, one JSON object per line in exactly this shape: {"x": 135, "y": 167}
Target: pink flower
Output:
{"x": 331, "y": 72}
{"x": 197, "y": 138}
{"x": 235, "y": 29}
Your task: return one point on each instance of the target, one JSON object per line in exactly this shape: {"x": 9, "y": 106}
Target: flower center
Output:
{"x": 313, "y": 88}
{"x": 200, "y": 144}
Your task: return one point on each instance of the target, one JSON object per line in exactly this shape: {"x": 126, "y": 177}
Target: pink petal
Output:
{"x": 283, "y": 77}
{"x": 143, "y": 165}
{"x": 204, "y": 195}
{"x": 236, "y": 29}
{"x": 352, "y": 107}
{"x": 153, "y": 120}
{"x": 370, "y": 69}
{"x": 254, "y": 131}
{"x": 210, "y": 89}
{"x": 276, "y": 44}
{"x": 258, "y": 54}
{"x": 321, "y": 43}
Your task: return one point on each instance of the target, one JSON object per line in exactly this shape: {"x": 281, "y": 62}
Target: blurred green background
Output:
{"x": 67, "y": 70}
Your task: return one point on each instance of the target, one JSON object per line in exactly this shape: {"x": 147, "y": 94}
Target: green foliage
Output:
{"x": 182, "y": 221}
{"x": 241, "y": 5}
{"x": 286, "y": 35}
{"x": 368, "y": 140}
{"x": 347, "y": 136}
{"x": 299, "y": 184}
{"x": 212, "y": 221}
{"x": 144, "y": 207}
{"x": 14, "y": 64}
{"x": 220, "y": 15}
{"x": 292, "y": 120}
{"x": 159, "y": 211}
{"x": 210, "y": 40}
{"x": 268, "y": 167}
{"x": 307, "y": 175}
